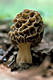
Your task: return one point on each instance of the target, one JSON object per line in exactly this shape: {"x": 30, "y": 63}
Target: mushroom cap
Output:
{"x": 27, "y": 27}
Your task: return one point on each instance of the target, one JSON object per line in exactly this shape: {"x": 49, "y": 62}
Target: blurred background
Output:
{"x": 9, "y": 9}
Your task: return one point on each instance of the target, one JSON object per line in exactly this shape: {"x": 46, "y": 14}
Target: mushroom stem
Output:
{"x": 24, "y": 54}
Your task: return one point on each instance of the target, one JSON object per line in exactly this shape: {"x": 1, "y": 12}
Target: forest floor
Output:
{"x": 42, "y": 68}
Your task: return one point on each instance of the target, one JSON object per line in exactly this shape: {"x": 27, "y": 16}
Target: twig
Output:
{"x": 3, "y": 27}
{"x": 3, "y": 35}
{"x": 6, "y": 53}
{"x": 11, "y": 63}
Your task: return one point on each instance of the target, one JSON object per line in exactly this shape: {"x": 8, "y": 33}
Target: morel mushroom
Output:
{"x": 26, "y": 31}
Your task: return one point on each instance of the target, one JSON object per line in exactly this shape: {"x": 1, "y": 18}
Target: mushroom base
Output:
{"x": 24, "y": 54}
